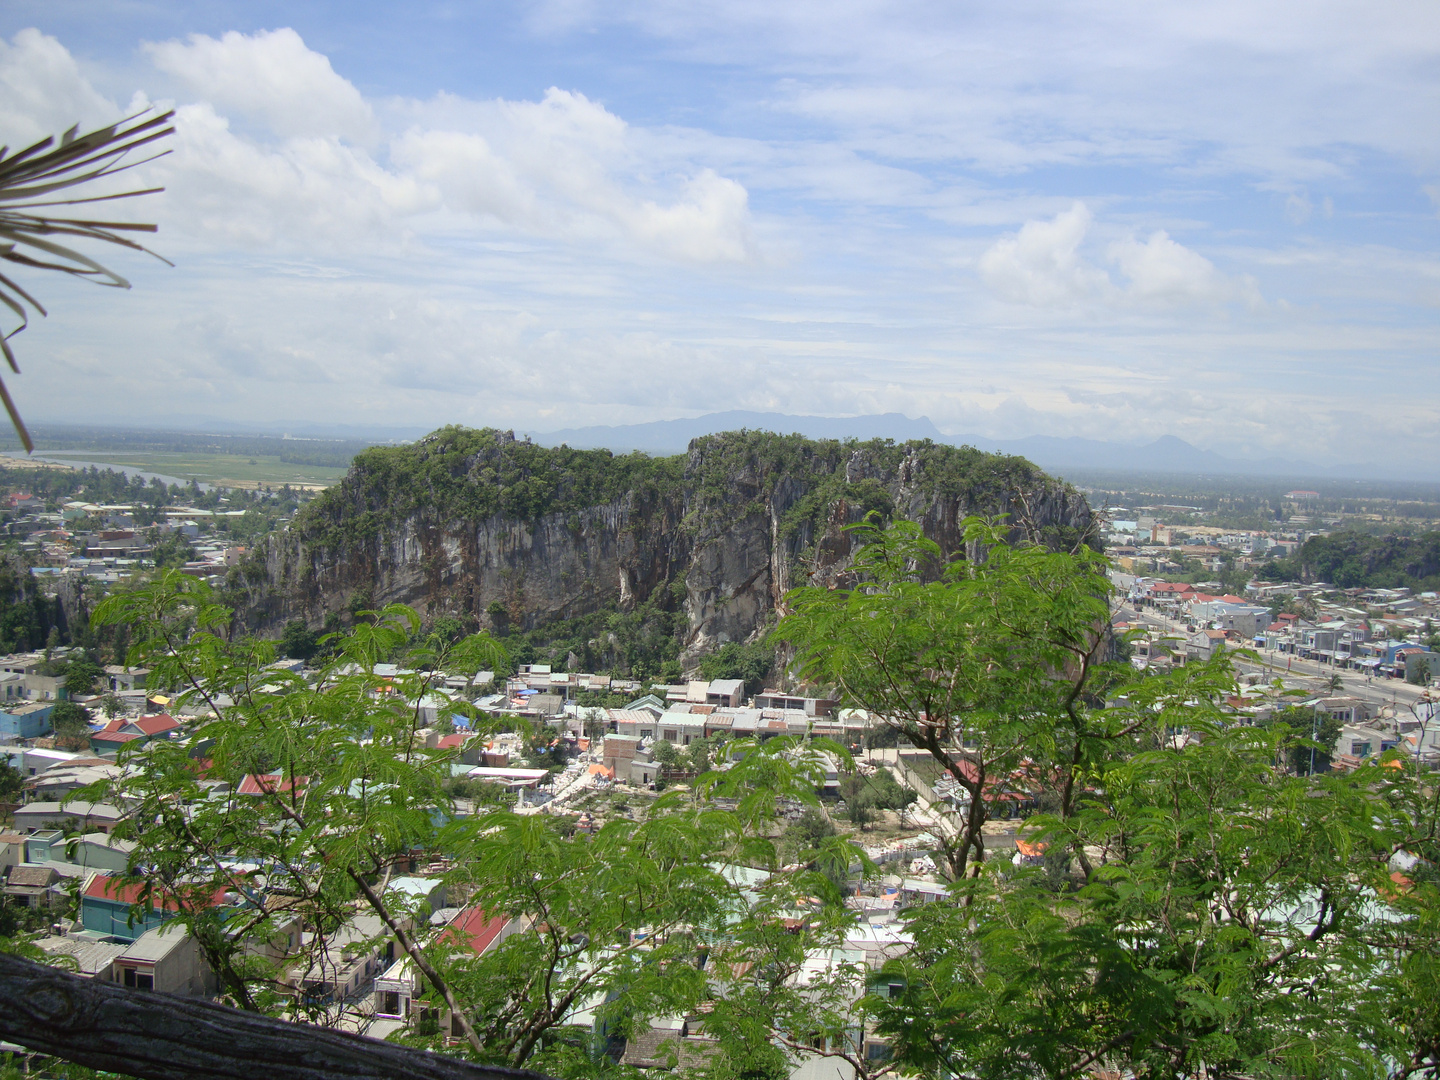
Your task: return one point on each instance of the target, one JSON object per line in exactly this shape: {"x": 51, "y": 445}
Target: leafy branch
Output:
{"x": 28, "y": 179}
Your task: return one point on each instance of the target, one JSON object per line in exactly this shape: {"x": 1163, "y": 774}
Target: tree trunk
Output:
{"x": 160, "y": 1037}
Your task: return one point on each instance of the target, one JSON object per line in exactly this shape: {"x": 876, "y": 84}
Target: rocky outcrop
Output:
{"x": 501, "y": 533}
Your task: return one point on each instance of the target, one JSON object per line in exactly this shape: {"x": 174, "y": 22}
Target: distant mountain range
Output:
{"x": 1166, "y": 454}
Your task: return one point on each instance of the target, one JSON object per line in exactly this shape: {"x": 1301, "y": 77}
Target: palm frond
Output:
{"x": 26, "y": 239}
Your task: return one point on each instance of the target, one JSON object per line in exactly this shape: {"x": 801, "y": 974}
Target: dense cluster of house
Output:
{"x": 61, "y": 854}
{"x": 1356, "y": 634}
{"x": 1371, "y": 631}
{"x": 1142, "y": 542}
{"x": 105, "y": 542}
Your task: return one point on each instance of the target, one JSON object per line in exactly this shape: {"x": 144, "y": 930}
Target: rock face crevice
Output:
{"x": 501, "y": 533}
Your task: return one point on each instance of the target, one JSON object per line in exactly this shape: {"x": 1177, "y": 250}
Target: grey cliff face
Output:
{"x": 753, "y": 517}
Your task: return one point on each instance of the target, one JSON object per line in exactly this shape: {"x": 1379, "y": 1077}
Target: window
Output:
{"x": 139, "y": 980}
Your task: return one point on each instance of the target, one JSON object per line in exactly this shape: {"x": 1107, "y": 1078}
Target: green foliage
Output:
{"x": 642, "y": 643}
{"x": 461, "y": 474}
{"x": 71, "y": 725}
{"x": 618, "y": 922}
{"x": 1350, "y": 560}
{"x": 81, "y": 675}
{"x": 810, "y": 830}
{"x": 349, "y": 791}
{"x": 1309, "y": 740}
{"x": 748, "y": 464}
{"x": 983, "y": 664}
{"x": 11, "y": 785}
{"x": 1203, "y": 912}
{"x": 1226, "y": 932}
{"x": 26, "y": 617}
{"x": 169, "y": 550}
{"x": 750, "y": 662}
{"x": 298, "y": 641}
{"x": 887, "y": 793}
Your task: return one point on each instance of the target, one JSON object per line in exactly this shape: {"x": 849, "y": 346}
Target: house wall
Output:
{"x": 181, "y": 970}
{"x": 25, "y": 723}
{"x": 108, "y": 917}
{"x": 97, "y": 856}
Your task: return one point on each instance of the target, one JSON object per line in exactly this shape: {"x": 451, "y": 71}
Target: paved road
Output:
{"x": 1303, "y": 674}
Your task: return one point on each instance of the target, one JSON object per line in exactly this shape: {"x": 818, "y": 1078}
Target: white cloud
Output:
{"x": 222, "y": 187}
{"x": 272, "y": 77}
{"x": 1161, "y": 270}
{"x": 1041, "y": 265}
{"x": 709, "y": 223}
{"x": 565, "y": 165}
{"x": 42, "y": 91}
{"x": 1017, "y": 85}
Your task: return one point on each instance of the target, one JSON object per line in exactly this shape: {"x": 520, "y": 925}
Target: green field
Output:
{"x": 225, "y": 470}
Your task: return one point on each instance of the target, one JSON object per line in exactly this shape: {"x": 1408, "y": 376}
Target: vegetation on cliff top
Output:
{"x": 1352, "y": 560}
{"x": 463, "y": 474}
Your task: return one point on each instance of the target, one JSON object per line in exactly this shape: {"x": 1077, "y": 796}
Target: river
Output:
{"x": 101, "y": 465}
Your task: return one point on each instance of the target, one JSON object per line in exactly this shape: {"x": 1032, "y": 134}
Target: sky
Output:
{"x": 1213, "y": 219}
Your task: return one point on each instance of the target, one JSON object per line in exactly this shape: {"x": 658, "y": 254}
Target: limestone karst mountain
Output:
{"x": 506, "y": 534}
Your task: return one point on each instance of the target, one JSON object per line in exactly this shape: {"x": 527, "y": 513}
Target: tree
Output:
{"x": 298, "y": 641}
{"x": 751, "y": 663}
{"x": 81, "y": 675}
{"x": 71, "y": 725}
{"x": 1235, "y": 920}
{"x": 29, "y": 180}
{"x": 854, "y": 789}
{"x": 1310, "y": 735}
{"x": 1232, "y": 928}
{"x": 667, "y": 757}
{"x": 619, "y": 922}
{"x": 12, "y": 782}
{"x": 993, "y": 665}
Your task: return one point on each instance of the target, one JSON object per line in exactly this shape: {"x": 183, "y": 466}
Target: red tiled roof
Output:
{"x": 116, "y": 736}
{"x": 267, "y": 783}
{"x": 458, "y": 739}
{"x": 105, "y": 887}
{"x": 1171, "y": 587}
{"x": 156, "y": 723}
{"x": 475, "y": 928}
